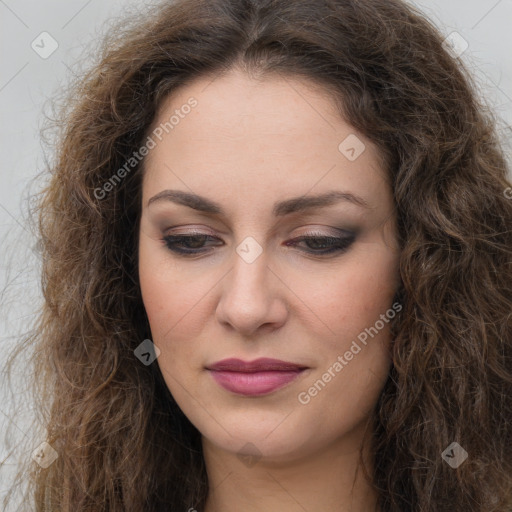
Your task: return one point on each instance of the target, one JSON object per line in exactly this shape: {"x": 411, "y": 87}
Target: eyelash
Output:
{"x": 337, "y": 244}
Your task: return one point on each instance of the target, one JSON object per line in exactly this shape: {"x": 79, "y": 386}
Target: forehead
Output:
{"x": 256, "y": 141}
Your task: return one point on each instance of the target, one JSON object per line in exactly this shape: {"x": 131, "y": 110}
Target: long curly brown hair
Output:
{"x": 122, "y": 442}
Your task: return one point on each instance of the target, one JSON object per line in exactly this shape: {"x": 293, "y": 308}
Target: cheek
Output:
{"x": 159, "y": 293}
{"x": 167, "y": 310}
{"x": 176, "y": 301}
{"x": 354, "y": 360}
{"x": 353, "y": 297}
{"x": 173, "y": 309}
{"x": 167, "y": 294}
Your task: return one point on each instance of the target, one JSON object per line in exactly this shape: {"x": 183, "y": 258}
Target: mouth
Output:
{"x": 255, "y": 378}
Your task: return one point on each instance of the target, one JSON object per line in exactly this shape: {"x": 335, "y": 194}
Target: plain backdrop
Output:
{"x": 29, "y": 78}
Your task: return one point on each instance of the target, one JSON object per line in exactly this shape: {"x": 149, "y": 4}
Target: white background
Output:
{"x": 27, "y": 81}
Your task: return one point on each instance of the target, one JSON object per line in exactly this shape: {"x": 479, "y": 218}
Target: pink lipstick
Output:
{"x": 254, "y": 378}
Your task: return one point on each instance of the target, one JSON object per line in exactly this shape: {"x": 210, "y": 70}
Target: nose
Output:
{"x": 253, "y": 297}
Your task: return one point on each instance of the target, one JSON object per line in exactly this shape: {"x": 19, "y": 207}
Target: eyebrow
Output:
{"x": 281, "y": 208}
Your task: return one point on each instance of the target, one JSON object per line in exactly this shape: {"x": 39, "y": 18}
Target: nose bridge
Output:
{"x": 248, "y": 299}
{"x": 249, "y": 275}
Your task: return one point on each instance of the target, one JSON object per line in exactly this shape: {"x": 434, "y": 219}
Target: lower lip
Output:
{"x": 254, "y": 384}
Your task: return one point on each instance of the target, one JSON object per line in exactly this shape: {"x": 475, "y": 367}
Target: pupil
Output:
{"x": 195, "y": 241}
{"x": 318, "y": 243}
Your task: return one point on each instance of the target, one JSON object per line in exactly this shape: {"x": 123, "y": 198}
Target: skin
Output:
{"x": 246, "y": 145}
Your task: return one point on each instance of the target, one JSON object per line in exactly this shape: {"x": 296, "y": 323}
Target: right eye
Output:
{"x": 188, "y": 244}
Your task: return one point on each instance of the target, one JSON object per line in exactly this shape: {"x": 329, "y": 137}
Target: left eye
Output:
{"x": 192, "y": 244}
{"x": 325, "y": 244}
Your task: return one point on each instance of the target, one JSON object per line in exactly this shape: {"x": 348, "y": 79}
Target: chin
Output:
{"x": 270, "y": 438}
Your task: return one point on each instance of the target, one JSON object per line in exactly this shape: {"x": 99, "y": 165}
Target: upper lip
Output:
{"x": 258, "y": 365}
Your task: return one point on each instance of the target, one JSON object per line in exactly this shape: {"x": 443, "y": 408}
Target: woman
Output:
{"x": 277, "y": 270}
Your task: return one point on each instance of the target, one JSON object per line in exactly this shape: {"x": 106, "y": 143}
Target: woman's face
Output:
{"x": 247, "y": 160}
